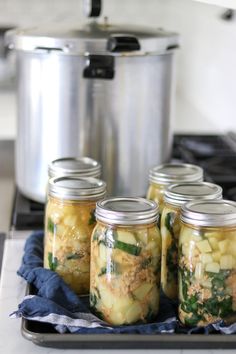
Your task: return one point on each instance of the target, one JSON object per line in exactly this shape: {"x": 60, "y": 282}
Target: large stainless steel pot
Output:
{"x": 103, "y": 91}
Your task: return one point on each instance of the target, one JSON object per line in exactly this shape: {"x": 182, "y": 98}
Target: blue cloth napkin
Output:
{"x": 55, "y": 303}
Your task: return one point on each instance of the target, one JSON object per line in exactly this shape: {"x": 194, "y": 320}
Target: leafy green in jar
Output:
{"x": 193, "y": 320}
{"x": 52, "y": 261}
{"x": 126, "y": 247}
{"x": 171, "y": 261}
{"x": 51, "y": 226}
{"x": 92, "y": 219}
{"x": 93, "y": 300}
{"x": 169, "y": 222}
{"x": 96, "y": 235}
{"x": 77, "y": 255}
{"x": 226, "y": 306}
{"x": 110, "y": 268}
{"x": 159, "y": 221}
{"x": 110, "y": 241}
{"x": 219, "y": 304}
{"x": 218, "y": 279}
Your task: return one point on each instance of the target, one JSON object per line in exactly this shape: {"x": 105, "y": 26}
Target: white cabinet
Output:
{"x": 231, "y": 4}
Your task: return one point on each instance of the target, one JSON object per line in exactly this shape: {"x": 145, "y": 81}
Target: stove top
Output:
{"x": 216, "y": 154}
{"x": 26, "y": 214}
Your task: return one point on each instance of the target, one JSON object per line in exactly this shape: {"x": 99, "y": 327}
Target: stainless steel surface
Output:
{"x": 75, "y": 188}
{"x": 6, "y": 183}
{"x": 126, "y": 211}
{"x": 2, "y": 239}
{"x": 80, "y": 167}
{"x": 179, "y": 194}
{"x": 92, "y": 38}
{"x": 175, "y": 173}
{"x": 210, "y": 213}
{"x": 124, "y": 121}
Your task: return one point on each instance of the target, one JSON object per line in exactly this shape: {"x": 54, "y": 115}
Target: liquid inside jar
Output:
{"x": 156, "y": 192}
{"x": 68, "y": 229}
{"x": 207, "y": 274}
{"x": 125, "y": 273}
{"x": 170, "y": 229}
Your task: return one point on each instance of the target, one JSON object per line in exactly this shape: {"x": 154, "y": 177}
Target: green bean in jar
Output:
{"x": 69, "y": 222}
{"x": 125, "y": 262}
{"x": 207, "y": 262}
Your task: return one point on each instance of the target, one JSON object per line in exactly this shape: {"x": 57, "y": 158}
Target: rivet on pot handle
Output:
{"x": 123, "y": 44}
{"x": 99, "y": 67}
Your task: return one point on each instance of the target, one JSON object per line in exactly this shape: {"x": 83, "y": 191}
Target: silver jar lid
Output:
{"x": 76, "y": 188}
{"x": 175, "y": 173}
{"x": 209, "y": 213}
{"x": 181, "y": 193}
{"x": 126, "y": 211}
{"x": 80, "y": 166}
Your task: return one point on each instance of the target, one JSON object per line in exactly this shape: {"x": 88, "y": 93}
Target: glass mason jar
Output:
{"x": 125, "y": 261}
{"x": 69, "y": 222}
{"x": 175, "y": 197}
{"x": 207, "y": 262}
{"x": 160, "y": 177}
{"x": 77, "y": 167}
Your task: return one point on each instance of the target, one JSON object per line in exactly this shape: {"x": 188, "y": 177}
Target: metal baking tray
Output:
{"x": 44, "y": 335}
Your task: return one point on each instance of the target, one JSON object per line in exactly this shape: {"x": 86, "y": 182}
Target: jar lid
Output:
{"x": 181, "y": 193}
{"x": 68, "y": 166}
{"x": 76, "y": 188}
{"x": 92, "y": 38}
{"x": 175, "y": 173}
{"x": 127, "y": 211}
{"x": 210, "y": 213}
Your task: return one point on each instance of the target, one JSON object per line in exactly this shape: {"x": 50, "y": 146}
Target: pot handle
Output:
{"x": 92, "y": 8}
{"x": 99, "y": 67}
{"x": 121, "y": 43}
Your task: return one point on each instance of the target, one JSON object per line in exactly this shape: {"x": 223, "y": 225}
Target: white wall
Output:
{"x": 206, "y": 63}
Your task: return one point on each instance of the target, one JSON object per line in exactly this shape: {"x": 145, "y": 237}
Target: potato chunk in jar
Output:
{"x": 207, "y": 266}
{"x": 125, "y": 272}
{"x": 68, "y": 228}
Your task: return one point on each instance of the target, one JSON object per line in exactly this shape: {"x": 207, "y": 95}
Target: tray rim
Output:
{"x": 126, "y": 341}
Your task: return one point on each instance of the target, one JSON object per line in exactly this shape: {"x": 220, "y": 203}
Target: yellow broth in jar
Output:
{"x": 207, "y": 274}
{"x": 68, "y": 229}
{"x": 170, "y": 229}
{"x": 156, "y": 192}
{"x": 125, "y": 273}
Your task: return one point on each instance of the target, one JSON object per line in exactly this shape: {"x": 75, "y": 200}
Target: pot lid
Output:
{"x": 93, "y": 37}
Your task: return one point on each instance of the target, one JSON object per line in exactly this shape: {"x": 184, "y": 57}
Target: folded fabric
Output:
{"x": 55, "y": 303}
